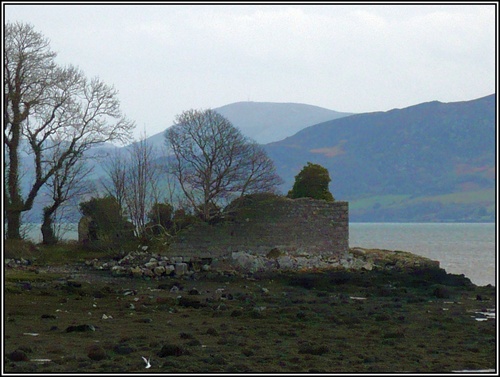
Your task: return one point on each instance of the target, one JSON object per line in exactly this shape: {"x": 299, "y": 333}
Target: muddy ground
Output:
{"x": 74, "y": 319}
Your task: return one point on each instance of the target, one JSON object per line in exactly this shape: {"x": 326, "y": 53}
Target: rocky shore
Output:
{"x": 371, "y": 311}
{"x": 143, "y": 263}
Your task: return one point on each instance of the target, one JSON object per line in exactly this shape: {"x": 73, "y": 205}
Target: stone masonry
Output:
{"x": 272, "y": 226}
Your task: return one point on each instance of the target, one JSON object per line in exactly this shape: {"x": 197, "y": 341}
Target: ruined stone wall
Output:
{"x": 263, "y": 223}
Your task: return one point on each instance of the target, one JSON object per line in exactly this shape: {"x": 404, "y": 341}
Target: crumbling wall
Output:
{"x": 259, "y": 224}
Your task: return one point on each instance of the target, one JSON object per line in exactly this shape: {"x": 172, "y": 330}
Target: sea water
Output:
{"x": 461, "y": 248}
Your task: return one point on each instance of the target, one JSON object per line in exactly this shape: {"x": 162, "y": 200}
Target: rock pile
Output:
{"x": 17, "y": 262}
{"x": 142, "y": 263}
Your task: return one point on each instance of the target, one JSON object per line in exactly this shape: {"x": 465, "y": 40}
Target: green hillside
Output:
{"x": 430, "y": 162}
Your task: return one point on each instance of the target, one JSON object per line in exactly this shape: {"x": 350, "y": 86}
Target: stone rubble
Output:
{"x": 143, "y": 263}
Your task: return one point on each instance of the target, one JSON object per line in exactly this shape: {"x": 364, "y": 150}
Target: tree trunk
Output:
{"x": 14, "y": 202}
{"x": 13, "y": 225}
{"x": 49, "y": 237}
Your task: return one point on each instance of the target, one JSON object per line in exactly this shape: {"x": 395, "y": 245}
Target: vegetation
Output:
{"x": 106, "y": 226}
{"x": 55, "y": 112}
{"x": 160, "y": 218}
{"x": 312, "y": 182}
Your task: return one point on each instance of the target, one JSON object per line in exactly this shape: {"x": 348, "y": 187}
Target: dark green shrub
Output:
{"x": 107, "y": 225}
{"x": 172, "y": 350}
{"x": 312, "y": 182}
{"x": 160, "y": 218}
{"x": 182, "y": 219}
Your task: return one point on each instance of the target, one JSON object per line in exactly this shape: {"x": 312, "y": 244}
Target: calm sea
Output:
{"x": 461, "y": 248}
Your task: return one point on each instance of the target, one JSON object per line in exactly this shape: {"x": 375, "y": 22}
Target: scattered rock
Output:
{"x": 123, "y": 349}
{"x": 174, "y": 289}
{"x": 96, "y": 353}
{"x": 193, "y": 292}
{"x": 181, "y": 269}
{"x": 171, "y": 350}
{"x": 136, "y": 271}
{"x": 18, "y": 355}
{"x": 160, "y": 270}
{"x": 80, "y": 328}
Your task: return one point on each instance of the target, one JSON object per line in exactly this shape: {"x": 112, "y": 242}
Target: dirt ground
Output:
{"x": 73, "y": 319}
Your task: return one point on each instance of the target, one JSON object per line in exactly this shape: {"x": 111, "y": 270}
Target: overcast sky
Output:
{"x": 165, "y": 59}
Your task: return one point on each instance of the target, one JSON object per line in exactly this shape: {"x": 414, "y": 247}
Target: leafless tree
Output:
{"x": 260, "y": 171}
{"x": 133, "y": 177}
{"x": 141, "y": 184}
{"x": 214, "y": 163}
{"x": 114, "y": 181}
{"x": 64, "y": 185}
{"x": 44, "y": 102}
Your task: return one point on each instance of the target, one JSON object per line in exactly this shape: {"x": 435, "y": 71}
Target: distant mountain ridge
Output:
{"x": 429, "y": 162}
{"x": 266, "y": 122}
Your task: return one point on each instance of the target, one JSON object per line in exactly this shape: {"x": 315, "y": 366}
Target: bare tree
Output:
{"x": 141, "y": 184}
{"x": 115, "y": 178}
{"x": 44, "y": 102}
{"x": 65, "y": 184}
{"x": 260, "y": 172}
{"x": 133, "y": 177}
{"x": 213, "y": 162}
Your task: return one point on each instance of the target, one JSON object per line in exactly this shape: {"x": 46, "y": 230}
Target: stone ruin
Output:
{"x": 265, "y": 232}
{"x": 261, "y": 232}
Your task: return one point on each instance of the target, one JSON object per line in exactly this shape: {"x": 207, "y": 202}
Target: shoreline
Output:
{"x": 409, "y": 315}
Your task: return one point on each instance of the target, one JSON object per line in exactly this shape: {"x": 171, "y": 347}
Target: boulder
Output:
{"x": 136, "y": 271}
{"x": 181, "y": 269}
{"x": 159, "y": 270}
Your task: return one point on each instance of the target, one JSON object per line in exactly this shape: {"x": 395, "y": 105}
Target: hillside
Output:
{"x": 429, "y": 162}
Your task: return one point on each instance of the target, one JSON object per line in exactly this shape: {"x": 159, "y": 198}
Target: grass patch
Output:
{"x": 68, "y": 252}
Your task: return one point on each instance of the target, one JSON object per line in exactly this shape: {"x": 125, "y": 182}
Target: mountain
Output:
{"x": 266, "y": 122}
{"x": 429, "y": 162}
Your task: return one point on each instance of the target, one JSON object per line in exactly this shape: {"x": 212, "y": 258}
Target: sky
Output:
{"x": 165, "y": 59}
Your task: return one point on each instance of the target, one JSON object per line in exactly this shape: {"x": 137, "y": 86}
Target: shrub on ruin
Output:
{"x": 107, "y": 225}
{"x": 312, "y": 182}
